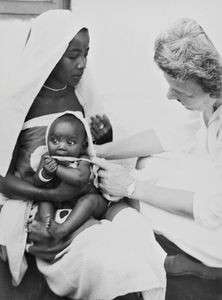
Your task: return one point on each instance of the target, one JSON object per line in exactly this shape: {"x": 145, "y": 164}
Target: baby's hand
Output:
{"x": 101, "y": 129}
{"x": 49, "y": 165}
{"x": 64, "y": 163}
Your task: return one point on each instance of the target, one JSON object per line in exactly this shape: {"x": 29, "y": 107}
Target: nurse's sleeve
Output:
{"x": 177, "y": 136}
{"x": 170, "y": 139}
{"x": 207, "y": 203}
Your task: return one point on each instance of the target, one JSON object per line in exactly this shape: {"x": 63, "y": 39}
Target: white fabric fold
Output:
{"x": 136, "y": 264}
{"x": 78, "y": 115}
{"x": 48, "y": 38}
{"x": 13, "y": 235}
{"x": 107, "y": 259}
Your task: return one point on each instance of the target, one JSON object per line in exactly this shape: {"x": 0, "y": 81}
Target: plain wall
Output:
{"x": 122, "y": 37}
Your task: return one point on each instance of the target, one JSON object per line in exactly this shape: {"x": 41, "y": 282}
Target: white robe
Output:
{"x": 107, "y": 259}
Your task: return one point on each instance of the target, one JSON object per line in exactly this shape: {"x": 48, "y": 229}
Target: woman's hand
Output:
{"x": 15, "y": 187}
{"x": 113, "y": 178}
{"x": 101, "y": 129}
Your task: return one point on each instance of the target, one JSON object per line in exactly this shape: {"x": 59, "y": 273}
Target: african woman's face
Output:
{"x": 70, "y": 68}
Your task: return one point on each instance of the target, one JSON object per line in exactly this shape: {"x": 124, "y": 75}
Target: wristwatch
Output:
{"x": 131, "y": 188}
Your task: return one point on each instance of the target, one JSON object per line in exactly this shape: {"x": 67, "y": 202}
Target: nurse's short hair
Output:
{"x": 184, "y": 51}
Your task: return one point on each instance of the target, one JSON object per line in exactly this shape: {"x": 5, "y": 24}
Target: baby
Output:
{"x": 67, "y": 160}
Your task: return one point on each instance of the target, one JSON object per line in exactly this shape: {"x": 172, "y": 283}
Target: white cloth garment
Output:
{"x": 15, "y": 213}
{"x": 194, "y": 166}
{"x": 41, "y": 53}
{"x": 13, "y": 236}
{"x": 107, "y": 259}
{"x": 198, "y": 138}
{"x": 116, "y": 257}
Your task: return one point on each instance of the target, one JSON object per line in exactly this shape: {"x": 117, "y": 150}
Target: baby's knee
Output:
{"x": 91, "y": 199}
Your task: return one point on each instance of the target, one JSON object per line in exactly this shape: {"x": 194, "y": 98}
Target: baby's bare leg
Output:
{"x": 45, "y": 214}
{"x": 45, "y": 209}
{"x": 89, "y": 205}
{"x": 115, "y": 208}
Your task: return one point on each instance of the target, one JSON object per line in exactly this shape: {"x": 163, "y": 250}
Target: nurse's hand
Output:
{"x": 113, "y": 178}
{"x": 101, "y": 129}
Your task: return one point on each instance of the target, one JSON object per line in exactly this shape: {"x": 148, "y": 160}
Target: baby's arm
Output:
{"x": 75, "y": 176}
{"x": 15, "y": 187}
{"x": 45, "y": 172}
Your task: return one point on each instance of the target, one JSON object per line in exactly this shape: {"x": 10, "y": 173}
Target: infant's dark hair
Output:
{"x": 71, "y": 118}
{"x": 68, "y": 117}
{"x": 84, "y": 29}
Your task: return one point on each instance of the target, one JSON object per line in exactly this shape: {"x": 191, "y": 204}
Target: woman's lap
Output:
{"x": 99, "y": 253}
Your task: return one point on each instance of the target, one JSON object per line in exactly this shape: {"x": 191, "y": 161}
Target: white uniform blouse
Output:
{"x": 195, "y": 164}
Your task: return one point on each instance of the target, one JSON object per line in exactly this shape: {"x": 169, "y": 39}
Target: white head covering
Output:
{"x": 35, "y": 157}
{"x": 49, "y": 36}
{"x": 78, "y": 115}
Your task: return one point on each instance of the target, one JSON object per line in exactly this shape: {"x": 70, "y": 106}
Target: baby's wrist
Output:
{"x": 45, "y": 176}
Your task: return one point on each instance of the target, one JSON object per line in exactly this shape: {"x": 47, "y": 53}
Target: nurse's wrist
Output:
{"x": 130, "y": 188}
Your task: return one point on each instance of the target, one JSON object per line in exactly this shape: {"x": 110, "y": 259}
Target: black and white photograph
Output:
{"x": 111, "y": 150}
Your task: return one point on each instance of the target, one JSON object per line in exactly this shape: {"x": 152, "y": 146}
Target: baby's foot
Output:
{"x": 39, "y": 228}
{"x": 56, "y": 230}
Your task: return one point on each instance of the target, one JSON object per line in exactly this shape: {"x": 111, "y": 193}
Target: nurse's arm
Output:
{"x": 114, "y": 180}
{"x": 139, "y": 145}
{"x": 176, "y": 201}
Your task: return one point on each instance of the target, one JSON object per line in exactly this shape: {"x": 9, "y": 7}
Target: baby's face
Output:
{"x": 66, "y": 139}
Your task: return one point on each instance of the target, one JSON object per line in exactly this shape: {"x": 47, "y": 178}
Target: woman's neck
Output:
{"x": 217, "y": 103}
{"x": 208, "y": 113}
{"x": 53, "y": 84}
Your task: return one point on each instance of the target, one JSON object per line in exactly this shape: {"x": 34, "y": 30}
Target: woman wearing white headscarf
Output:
{"x": 106, "y": 259}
